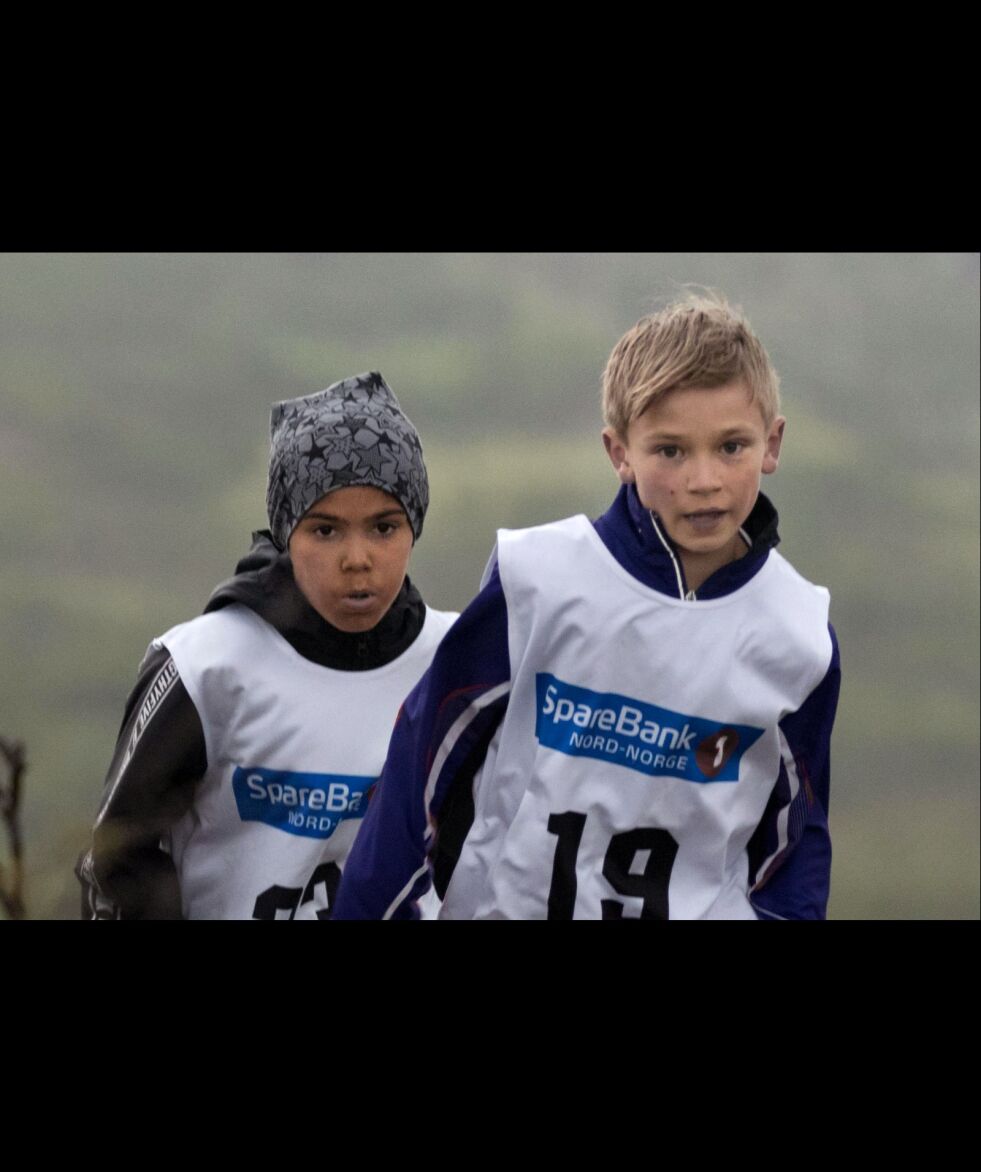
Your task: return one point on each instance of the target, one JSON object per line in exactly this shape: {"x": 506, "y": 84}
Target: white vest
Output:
{"x": 641, "y": 739}
{"x": 292, "y": 747}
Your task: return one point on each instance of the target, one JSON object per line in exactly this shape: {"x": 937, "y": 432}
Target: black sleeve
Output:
{"x": 159, "y": 759}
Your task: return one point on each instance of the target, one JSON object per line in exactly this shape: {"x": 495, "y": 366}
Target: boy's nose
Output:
{"x": 356, "y": 555}
{"x": 703, "y": 475}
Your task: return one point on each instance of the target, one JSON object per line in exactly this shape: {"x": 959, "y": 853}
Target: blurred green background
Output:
{"x": 135, "y": 391}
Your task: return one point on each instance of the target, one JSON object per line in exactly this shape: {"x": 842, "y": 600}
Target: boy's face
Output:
{"x": 350, "y": 552}
{"x": 696, "y": 457}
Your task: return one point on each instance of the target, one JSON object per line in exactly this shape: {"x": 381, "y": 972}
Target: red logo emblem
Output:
{"x": 715, "y": 750}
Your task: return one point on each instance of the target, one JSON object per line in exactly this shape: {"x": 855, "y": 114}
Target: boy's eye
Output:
{"x": 731, "y": 447}
{"x": 668, "y": 450}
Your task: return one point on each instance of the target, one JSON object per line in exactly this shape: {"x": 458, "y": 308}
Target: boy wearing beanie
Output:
{"x": 632, "y": 719}
{"x": 255, "y": 731}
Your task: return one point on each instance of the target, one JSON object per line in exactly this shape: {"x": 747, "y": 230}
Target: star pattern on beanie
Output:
{"x": 352, "y": 433}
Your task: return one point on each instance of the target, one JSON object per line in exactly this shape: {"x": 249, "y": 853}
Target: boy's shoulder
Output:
{"x": 567, "y": 563}
{"x": 235, "y": 616}
{"x": 790, "y": 581}
{"x": 565, "y": 529}
{"x": 439, "y": 621}
{"x": 540, "y": 548}
{"x": 213, "y": 633}
{"x": 796, "y": 642}
{"x": 541, "y": 537}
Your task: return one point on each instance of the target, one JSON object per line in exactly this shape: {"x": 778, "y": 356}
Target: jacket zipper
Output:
{"x": 683, "y": 591}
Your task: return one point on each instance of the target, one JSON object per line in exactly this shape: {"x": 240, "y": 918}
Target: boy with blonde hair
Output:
{"x": 632, "y": 719}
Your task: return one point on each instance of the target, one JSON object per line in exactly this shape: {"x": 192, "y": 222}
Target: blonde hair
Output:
{"x": 699, "y": 341}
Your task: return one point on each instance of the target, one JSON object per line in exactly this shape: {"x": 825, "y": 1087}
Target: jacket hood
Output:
{"x": 629, "y": 533}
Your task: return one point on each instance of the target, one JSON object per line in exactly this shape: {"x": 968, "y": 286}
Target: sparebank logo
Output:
{"x": 652, "y": 740}
{"x": 311, "y": 804}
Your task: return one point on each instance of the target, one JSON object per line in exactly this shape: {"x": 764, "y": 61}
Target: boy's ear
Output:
{"x": 616, "y": 449}
{"x": 774, "y": 438}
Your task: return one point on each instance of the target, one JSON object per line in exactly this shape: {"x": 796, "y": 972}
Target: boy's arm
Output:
{"x": 790, "y": 853}
{"x": 160, "y": 756}
{"x": 438, "y": 744}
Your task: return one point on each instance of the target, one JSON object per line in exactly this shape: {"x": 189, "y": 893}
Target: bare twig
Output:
{"x": 12, "y": 876}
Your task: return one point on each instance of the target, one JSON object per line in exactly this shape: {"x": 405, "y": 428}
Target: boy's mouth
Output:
{"x": 705, "y": 518}
{"x": 359, "y": 599}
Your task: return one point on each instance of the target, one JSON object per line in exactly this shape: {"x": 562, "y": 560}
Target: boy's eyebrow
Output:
{"x": 673, "y": 436}
{"x": 321, "y": 515}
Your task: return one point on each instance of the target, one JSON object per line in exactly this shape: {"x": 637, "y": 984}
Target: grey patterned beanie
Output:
{"x": 354, "y": 432}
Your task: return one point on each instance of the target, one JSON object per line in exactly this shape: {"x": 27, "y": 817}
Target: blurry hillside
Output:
{"x": 134, "y": 398}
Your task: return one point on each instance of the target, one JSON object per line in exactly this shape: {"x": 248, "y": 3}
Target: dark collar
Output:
{"x": 645, "y": 550}
{"x": 264, "y": 582}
